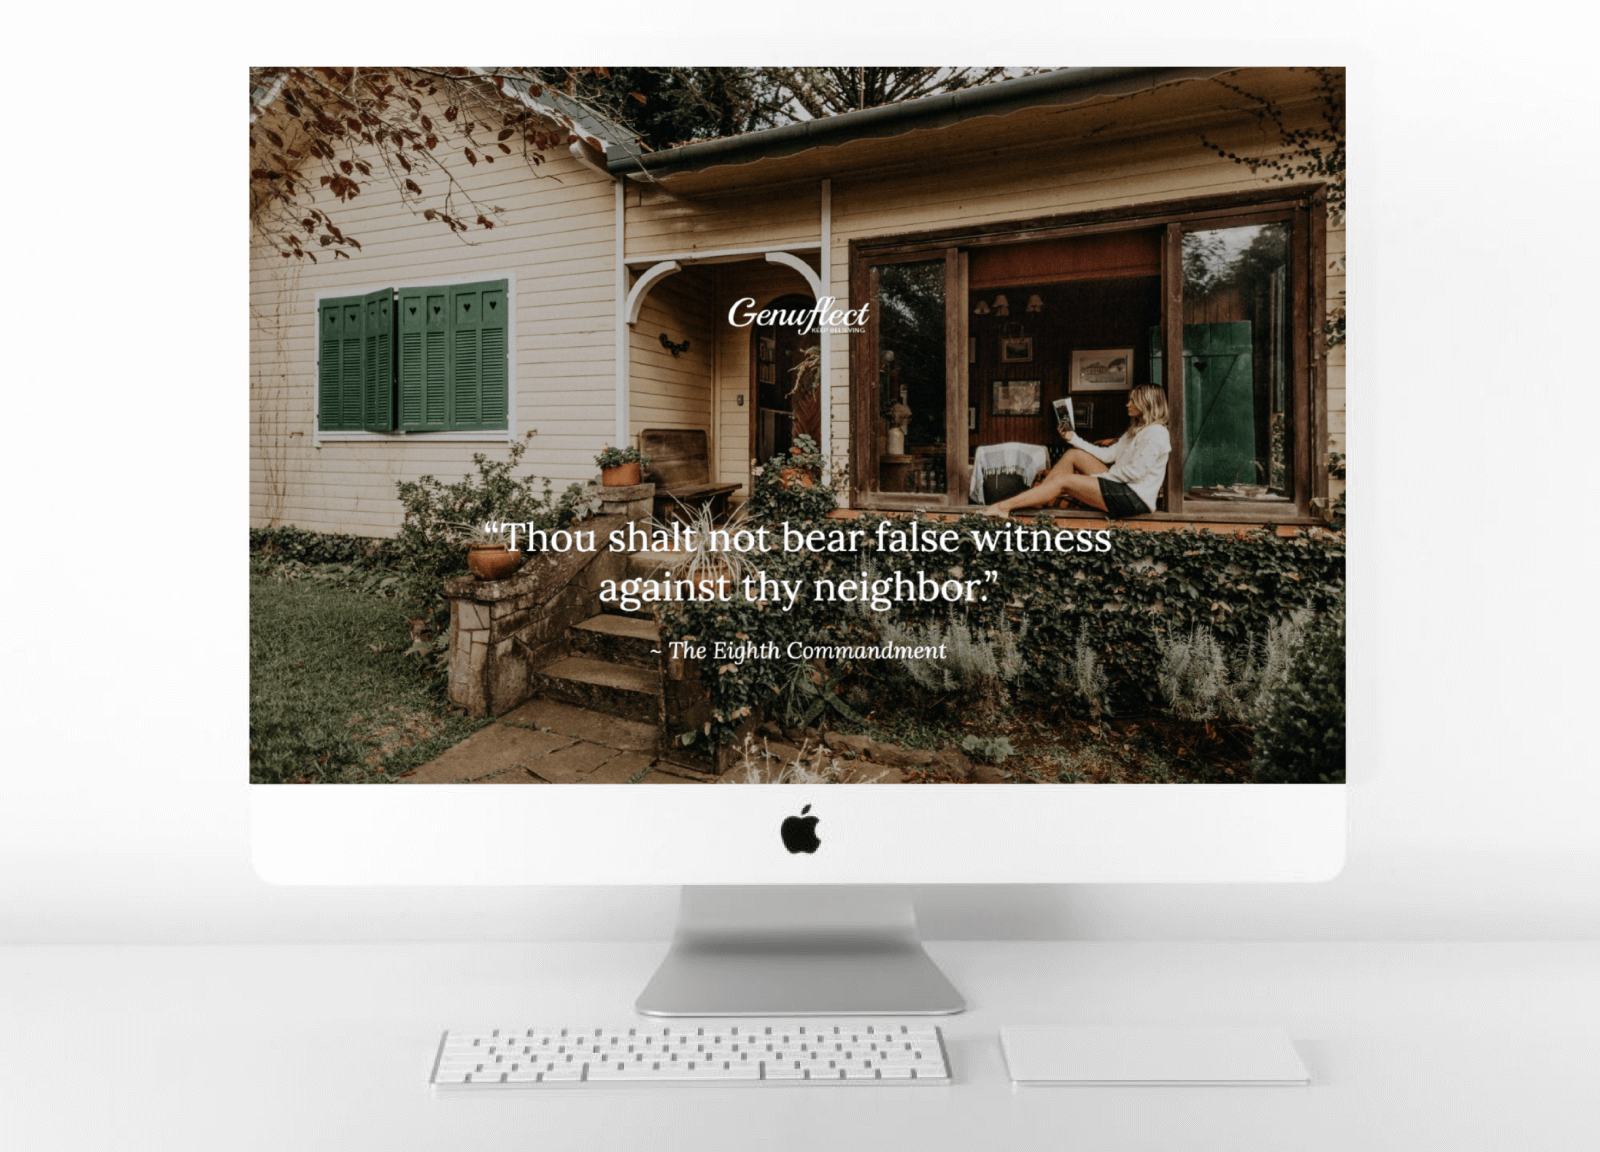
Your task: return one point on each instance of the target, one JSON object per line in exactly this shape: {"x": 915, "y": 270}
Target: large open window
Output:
{"x": 971, "y": 337}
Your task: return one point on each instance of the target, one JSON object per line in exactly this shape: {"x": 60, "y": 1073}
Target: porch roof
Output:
{"x": 1058, "y": 88}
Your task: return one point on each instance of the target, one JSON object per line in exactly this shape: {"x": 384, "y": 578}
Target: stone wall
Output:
{"x": 501, "y": 631}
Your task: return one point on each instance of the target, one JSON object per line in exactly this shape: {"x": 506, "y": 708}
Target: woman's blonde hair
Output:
{"x": 1151, "y": 402}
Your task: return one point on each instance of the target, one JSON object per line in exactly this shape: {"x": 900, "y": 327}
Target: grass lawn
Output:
{"x": 333, "y": 698}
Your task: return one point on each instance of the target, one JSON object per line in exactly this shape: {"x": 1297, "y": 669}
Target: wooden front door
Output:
{"x": 785, "y": 385}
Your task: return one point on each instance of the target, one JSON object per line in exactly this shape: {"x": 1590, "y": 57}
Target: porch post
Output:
{"x": 825, "y": 365}
{"x": 622, "y": 423}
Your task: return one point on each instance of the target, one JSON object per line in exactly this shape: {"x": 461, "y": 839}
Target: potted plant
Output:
{"x": 489, "y": 555}
{"x": 620, "y": 467}
{"x": 803, "y": 465}
{"x": 807, "y": 373}
{"x": 700, "y": 560}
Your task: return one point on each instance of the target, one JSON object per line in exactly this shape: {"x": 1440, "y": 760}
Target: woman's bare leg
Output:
{"x": 1072, "y": 475}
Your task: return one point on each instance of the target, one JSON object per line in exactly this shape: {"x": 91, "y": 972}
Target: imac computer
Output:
{"x": 946, "y": 492}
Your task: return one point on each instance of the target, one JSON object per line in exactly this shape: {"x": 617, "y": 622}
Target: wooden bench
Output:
{"x": 680, "y": 468}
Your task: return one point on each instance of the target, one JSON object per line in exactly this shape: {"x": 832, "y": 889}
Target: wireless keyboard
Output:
{"x": 789, "y": 1051}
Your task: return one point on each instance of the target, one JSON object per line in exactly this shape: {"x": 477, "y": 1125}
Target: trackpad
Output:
{"x": 1098, "y": 1055}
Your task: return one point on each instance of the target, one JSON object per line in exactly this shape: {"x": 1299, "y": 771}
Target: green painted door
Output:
{"x": 1219, "y": 426}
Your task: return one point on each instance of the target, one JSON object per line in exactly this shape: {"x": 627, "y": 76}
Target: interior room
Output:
{"x": 1059, "y": 320}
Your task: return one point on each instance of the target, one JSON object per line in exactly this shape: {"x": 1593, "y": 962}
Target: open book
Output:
{"x": 1064, "y": 417}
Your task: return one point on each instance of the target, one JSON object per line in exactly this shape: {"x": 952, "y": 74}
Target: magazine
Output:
{"x": 1064, "y": 418}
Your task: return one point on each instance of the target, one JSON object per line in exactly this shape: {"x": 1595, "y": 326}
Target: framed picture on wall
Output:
{"x": 1101, "y": 370}
{"x": 1016, "y": 350}
{"x": 1014, "y": 398}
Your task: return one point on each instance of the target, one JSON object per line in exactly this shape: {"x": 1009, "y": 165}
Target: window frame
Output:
{"x": 1302, "y": 206}
{"x": 508, "y": 435}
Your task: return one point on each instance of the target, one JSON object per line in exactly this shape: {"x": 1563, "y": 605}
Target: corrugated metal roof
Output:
{"x": 1062, "y": 86}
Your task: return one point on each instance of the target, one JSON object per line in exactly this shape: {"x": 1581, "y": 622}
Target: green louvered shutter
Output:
{"x": 377, "y": 381}
{"x": 424, "y": 359}
{"x": 493, "y": 370}
{"x": 350, "y": 374}
{"x": 340, "y": 327}
{"x": 479, "y": 372}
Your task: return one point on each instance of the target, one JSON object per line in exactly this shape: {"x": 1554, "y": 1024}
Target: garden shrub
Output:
{"x": 1085, "y": 676}
{"x": 303, "y": 546}
{"x": 1300, "y": 733}
{"x": 428, "y": 547}
{"x": 1193, "y": 674}
{"x": 774, "y": 499}
{"x": 1095, "y": 620}
{"x": 1259, "y": 668}
{"x": 979, "y": 664}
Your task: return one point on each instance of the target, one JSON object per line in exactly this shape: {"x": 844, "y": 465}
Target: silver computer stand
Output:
{"x": 797, "y": 951}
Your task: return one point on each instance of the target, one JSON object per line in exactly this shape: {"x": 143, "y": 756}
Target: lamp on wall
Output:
{"x": 1002, "y": 306}
{"x": 675, "y": 348}
{"x": 1035, "y": 304}
{"x": 982, "y": 309}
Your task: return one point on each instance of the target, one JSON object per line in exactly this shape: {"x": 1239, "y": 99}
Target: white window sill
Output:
{"x": 500, "y": 436}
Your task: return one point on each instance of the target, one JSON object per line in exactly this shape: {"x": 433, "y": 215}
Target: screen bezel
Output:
{"x": 871, "y": 834}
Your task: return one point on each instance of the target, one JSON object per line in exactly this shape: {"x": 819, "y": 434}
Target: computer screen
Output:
{"x": 921, "y": 475}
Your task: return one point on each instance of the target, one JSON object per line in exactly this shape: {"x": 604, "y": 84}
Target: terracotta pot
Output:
{"x": 492, "y": 561}
{"x": 805, "y": 477}
{"x": 714, "y": 573}
{"x": 620, "y": 476}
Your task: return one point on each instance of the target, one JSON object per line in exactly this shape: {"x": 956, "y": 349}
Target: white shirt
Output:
{"x": 1139, "y": 459}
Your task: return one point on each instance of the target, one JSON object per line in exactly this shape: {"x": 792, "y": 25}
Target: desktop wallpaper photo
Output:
{"x": 894, "y": 425}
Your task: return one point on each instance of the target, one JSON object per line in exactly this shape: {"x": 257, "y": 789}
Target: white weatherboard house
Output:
{"x": 1033, "y": 240}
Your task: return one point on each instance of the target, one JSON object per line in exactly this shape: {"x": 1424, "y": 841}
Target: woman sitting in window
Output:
{"x": 1120, "y": 477}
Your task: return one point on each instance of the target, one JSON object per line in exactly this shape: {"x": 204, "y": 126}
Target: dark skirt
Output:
{"x": 1122, "y": 502}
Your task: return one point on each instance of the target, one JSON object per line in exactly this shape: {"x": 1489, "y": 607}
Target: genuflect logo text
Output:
{"x": 824, "y": 317}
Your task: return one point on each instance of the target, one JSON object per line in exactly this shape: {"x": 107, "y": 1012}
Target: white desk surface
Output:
{"x": 229, "y": 1048}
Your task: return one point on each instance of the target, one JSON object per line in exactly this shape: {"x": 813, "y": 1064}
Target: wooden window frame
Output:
{"x": 864, "y": 405}
{"x": 1302, "y": 206}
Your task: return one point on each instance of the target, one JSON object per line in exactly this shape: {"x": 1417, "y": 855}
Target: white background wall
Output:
{"x": 1476, "y": 787}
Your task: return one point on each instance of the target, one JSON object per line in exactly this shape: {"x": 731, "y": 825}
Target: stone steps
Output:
{"x": 625, "y": 690}
{"x": 653, "y": 565}
{"x": 613, "y": 663}
{"x": 617, "y": 639}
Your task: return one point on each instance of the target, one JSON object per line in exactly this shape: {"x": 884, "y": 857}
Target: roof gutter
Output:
{"x": 1062, "y": 86}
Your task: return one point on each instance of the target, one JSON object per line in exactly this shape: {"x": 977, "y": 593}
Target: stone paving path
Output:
{"x": 549, "y": 742}
{"x": 545, "y": 742}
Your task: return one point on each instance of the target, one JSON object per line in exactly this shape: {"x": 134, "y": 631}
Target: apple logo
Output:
{"x": 800, "y": 832}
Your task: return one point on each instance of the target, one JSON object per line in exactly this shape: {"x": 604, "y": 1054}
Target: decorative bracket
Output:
{"x": 790, "y": 260}
{"x": 641, "y": 288}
